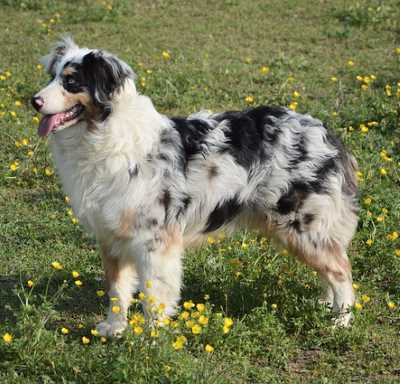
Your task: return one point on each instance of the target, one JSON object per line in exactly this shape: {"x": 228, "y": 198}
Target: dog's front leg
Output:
{"x": 160, "y": 272}
{"x": 121, "y": 281}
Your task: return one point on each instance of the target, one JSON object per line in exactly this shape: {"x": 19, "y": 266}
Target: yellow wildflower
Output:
{"x": 48, "y": 171}
{"x": 142, "y": 296}
{"x": 166, "y": 55}
{"x": 383, "y": 171}
{"x": 17, "y": 103}
{"x": 274, "y": 306}
{"x": 154, "y": 333}
{"x": 249, "y": 99}
{"x": 85, "y": 340}
{"x": 350, "y": 63}
{"x": 393, "y": 236}
{"x": 228, "y": 322}
{"x": 358, "y": 306}
{"x": 388, "y": 90}
{"x": 209, "y": 349}
{"x": 35, "y": 119}
{"x": 56, "y": 265}
{"x": 184, "y": 315}
{"x": 8, "y": 338}
{"x": 363, "y": 128}
{"x": 94, "y": 332}
{"x": 137, "y": 330}
{"x": 78, "y": 283}
{"x": 116, "y": 309}
{"x": 391, "y": 305}
{"x": 293, "y": 105}
{"x": 356, "y": 286}
{"x": 397, "y": 252}
{"x": 264, "y": 70}
{"x": 369, "y": 242}
{"x": 203, "y": 320}
{"x": 75, "y": 274}
{"x": 365, "y": 298}
{"x": 29, "y": 283}
{"x": 367, "y": 201}
{"x": 334, "y": 79}
{"x": 13, "y": 167}
{"x": 397, "y": 50}
{"x": 188, "y": 304}
{"x": 200, "y": 307}
{"x": 13, "y": 114}
{"x": 196, "y": 329}
{"x": 64, "y": 331}
{"x": 210, "y": 240}
{"x": 100, "y": 293}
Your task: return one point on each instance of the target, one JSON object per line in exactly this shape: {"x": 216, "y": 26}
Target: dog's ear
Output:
{"x": 104, "y": 75}
{"x": 57, "y": 52}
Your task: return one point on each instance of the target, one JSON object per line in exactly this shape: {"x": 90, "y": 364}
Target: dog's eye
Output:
{"x": 69, "y": 80}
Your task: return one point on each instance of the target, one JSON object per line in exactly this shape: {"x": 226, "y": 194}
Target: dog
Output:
{"x": 147, "y": 186}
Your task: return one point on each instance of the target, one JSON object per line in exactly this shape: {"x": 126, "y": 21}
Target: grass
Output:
{"x": 338, "y": 61}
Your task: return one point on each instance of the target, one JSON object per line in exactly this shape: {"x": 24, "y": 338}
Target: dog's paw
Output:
{"x": 112, "y": 329}
{"x": 343, "y": 320}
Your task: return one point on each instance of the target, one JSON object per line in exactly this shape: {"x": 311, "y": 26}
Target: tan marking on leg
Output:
{"x": 111, "y": 267}
{"x": 126, "y": 224}
{"x": 172, "y": 239}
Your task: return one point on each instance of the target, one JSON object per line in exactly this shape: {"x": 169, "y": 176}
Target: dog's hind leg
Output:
{"x": 121, "y": 279}
{"x": 160, "y": 273}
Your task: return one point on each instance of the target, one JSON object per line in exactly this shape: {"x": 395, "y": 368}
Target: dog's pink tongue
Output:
{"x": 47, "y": 124}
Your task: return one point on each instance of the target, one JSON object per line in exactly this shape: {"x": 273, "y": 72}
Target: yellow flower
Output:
{"x": 78, "y": 283}
{"x": 64, "y": 331}
{"x": 56, "y": 265}
{"x": 8, "y": 73}
{"x": 29, "y": 283}
{"x": 142, "y": 296}
{"x": 350, "y": 63}
{"x": 100, "y": 293}
{"x": 188, "y": 304}
{"x": 184, "y": 315}
{"x": 179, "y": 343}
{"x": 380, "y": 218}
{"x": 249, "y": 99}
{"x": 397, "y": 252}
{"x": 166, "y": 55}
{"x": 149, "y": 284}
{"x": 293, "y": 105}
{"x": 274, "y": 306}
{"x": 48, "y": 171}
{"x": 383, "y": 171}
{"x": 358, "y": 306}
{"x": 39, "y": 67}
{"x": 114, "y": 299}
{"x": 393, "y": 236}
{"x": 388, "y": 90}
{"x": 210, "y": 240}
{"x": 137, "y": 330}
{"x": 228, "y": 322}
{"x": 116, "y": 309}
{"x": 334, "y": 79}
{"x": 94, "y": 332}
{"x": 29, "y": 153}
{"x": 391, "y": 305}
{"x": 75, "y": 274}
{"x": 195, "y": 314}
{"x": 226, "y": 330}
{"x": 189, "y": 323}
{"x": 196, "y": 329}
{"x": 209, "y": 349}
{"x": 67, "y": 199}
{"x": 14, "y": 167}
{"x": 203, "y": 320}
{"x": 365, "y": 298}
{"x": 18, "y": 103}
{"x": 13, "y": 114}
{"x": 166, "y": 322}
{"x": 367, "y": 201}
{"x": 8, "y": 338}
{"x": 264, "y": 70}
{"x": 35, "y": 119}
{"x": 200, "y": 307}
{"x": 369, "y": 242}
{"x": 356, "y": 286}
{"x": 85, "y": 340}
{"x": 154, "y": 333}
{"x": 363, "y": 128}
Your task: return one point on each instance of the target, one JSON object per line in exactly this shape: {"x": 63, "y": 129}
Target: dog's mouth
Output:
{"x": 50, "y": 123}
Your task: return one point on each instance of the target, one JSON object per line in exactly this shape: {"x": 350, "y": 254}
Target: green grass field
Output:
{"x": 339, "y": 61}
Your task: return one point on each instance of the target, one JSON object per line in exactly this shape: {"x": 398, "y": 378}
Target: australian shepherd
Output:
{"x": 147, "y": 185}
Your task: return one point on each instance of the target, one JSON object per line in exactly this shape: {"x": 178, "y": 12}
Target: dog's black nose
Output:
{"x": 37, "y": 102}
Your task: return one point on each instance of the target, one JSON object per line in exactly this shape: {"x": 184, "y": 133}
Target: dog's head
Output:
{"x": 82, "y": 86}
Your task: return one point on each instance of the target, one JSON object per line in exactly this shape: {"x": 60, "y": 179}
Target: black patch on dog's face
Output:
{"x": 103, "y": 76}
{"x": 222, "y": 214}
{"x": 72, "y": 78}
{"x": 184, "y": 205}
{"x": 165, "y": 200}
